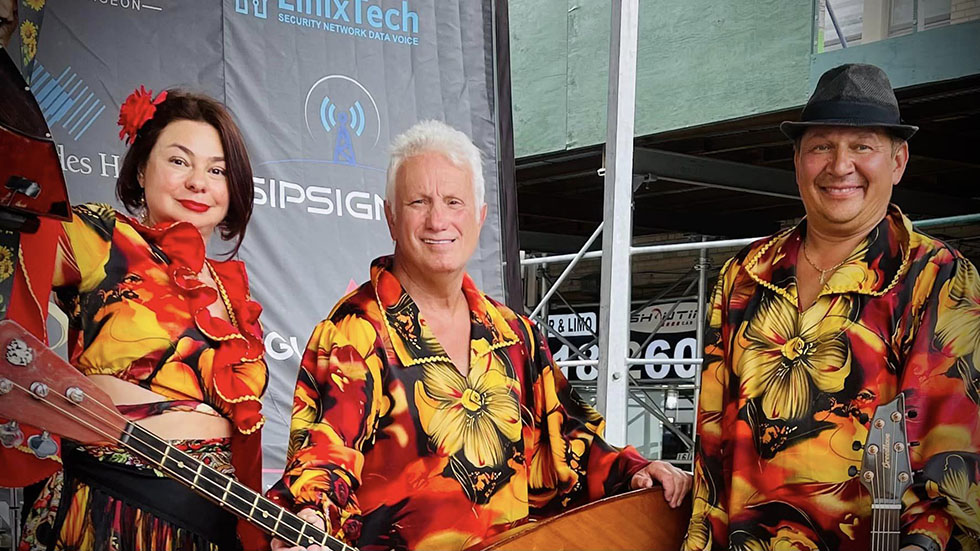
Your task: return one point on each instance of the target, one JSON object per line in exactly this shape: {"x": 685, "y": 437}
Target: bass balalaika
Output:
{"x": 37, "y": 387}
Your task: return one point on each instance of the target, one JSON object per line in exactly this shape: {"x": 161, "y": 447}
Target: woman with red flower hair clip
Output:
{"x": 172, "y": 336}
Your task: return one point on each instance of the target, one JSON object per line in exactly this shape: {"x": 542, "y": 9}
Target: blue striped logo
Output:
{"x": 65, "y": 99}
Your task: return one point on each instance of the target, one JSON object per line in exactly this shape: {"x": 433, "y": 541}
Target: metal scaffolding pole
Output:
{"x": 568, "y": 270}
{"x": 702, "y": 268}
{"x": 726, "y": 243}
{"x": 613, "y": 385}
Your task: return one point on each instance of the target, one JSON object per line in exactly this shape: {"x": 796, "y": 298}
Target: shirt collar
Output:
{"x": 410, "y": 336}
{"x": 872, "y": 268}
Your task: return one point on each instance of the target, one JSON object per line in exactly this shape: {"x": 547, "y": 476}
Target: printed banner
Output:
{"x": 319, "y": 88}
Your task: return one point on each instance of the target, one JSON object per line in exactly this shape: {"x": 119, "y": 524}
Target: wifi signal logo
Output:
{"x": 336, "y": 104}
{"x": 354, "y": 117}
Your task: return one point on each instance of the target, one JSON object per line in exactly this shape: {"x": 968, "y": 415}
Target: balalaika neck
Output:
{"x": 227, "y": 492}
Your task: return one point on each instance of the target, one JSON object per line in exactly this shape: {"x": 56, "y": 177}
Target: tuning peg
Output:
{"x": 18, "y": 353}
{"x": 75, "y": 394}
{"x": 10, "y": 435}
{"x": 42, "y": 445}
{"x": 39, "y": 390}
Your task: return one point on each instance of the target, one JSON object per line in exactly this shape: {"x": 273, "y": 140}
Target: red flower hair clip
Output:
{"x": 138, "y": 108}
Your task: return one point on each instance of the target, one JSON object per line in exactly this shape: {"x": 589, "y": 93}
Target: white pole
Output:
{"x": 613, "y": 384}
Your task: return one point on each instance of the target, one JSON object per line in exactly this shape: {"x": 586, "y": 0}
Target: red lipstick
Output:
{"x": 193, "y": 205}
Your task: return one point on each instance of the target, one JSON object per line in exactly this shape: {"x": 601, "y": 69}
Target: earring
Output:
{"x": 141, "y": 207}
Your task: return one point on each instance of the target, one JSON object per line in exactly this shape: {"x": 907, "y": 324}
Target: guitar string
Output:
{"x": 894, "y": 498}
{"x": 876, "y": 519}
{"x": 882, "y": 515}
{"x": 886, "y": 522}
{"x": 891, "y": 495}
{"x": 327, "y": 540}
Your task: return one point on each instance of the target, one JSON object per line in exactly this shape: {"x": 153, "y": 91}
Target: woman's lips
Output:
{"x": 193, "y": 205}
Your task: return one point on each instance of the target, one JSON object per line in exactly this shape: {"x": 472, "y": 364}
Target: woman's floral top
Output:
{"x": 138, "y": 311}
{"x": 413, "y": 455}
{"x": 787, "y": 396}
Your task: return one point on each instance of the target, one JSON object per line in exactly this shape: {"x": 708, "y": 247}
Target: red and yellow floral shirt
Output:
{"x": 413, "y": 455}
{"x": 787, "y": 396}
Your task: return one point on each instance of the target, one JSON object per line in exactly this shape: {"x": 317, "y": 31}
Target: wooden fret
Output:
{"x": 224, "y": 496}
{"x": 886, "y": 506}
{"x": 254, "y": 503}
{"x": 290, "y": 521}
{"x": 275, "y": 526}
{"x": 243, "y": 494}
{"x": 197, "y": 473}
{"x": 265, "y": 513}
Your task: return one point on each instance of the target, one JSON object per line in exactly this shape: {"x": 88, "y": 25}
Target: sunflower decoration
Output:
{"x": 791, "y": 358}
{"x": 6, "y": 263}
{"x": 28, "y": 40}
{"x": 36, "y": 5}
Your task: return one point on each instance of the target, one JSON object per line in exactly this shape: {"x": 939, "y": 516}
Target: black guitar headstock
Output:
{"x": 886, "y": 470}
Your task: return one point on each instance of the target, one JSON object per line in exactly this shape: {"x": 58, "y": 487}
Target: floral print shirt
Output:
{"x": 413, "y": 455}
{"x": 787, "y": 396}
{"x": 138, "y": 311}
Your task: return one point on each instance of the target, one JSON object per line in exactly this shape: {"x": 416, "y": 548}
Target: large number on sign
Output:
{"x": 579, "y": 372}
{"x": 686, "y": 348}
{"x": 660, "y": 349}
{"x": 657, "y": 349}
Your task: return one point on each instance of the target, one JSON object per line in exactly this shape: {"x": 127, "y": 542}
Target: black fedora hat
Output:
{"x": 854, "y": 94}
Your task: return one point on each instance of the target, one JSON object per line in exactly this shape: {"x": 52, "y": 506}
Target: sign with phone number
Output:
{"x": 675, "y": 339}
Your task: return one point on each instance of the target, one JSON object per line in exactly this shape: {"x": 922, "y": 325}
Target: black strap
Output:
{"x": 922, "y": 541}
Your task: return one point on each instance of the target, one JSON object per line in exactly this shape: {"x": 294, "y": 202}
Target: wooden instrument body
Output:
{"x": 27, "y": 151}
{"x": 636, "y": 520}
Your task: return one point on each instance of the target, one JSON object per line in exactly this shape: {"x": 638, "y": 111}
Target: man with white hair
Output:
{"x": 428, "y": 415}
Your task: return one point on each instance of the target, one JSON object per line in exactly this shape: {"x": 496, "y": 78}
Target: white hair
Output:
{"x": 432, "y": 136}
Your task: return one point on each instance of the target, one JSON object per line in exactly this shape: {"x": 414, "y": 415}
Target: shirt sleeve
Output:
{"x": 709, "y": 519}
{"x": 570, "y": 463}
{"x": 335, "y": 410}
{"x": 82, "y": 252}
{"x": 940, "y": 378}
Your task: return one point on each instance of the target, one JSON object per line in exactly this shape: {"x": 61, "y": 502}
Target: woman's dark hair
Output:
{"x": 183, "y": 105}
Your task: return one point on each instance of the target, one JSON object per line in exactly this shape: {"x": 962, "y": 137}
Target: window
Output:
{"x": 866, "y": 21}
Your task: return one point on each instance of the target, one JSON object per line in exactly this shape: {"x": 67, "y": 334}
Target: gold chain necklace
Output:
{"x": 814, "y": 266}
{"x": 224, "y": 294}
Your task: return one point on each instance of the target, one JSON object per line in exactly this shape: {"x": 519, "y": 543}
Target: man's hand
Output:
{"x": 676, "y": 483}
{"x": 309, "y": 515}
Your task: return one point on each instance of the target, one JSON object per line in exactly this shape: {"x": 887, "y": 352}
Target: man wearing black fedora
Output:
{"x": 813, "y": 329}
